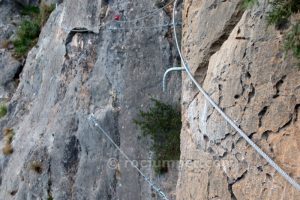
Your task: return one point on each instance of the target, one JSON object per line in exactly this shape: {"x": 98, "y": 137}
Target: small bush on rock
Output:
{"x": 27, "y": 35}
{"x": 8, "y": 138}
{"x": 30, "y": 28}
{"x": 7, "y": 149}
{"x": 280, "y": 15}
{"x": 3, "y": 110}
{"x": 249, "y": 3}
{"x": 30, "y": 10}
{"x": 292, "y": 40}
{"x": 282, "y": 10}
{"x": 162, "y": 123}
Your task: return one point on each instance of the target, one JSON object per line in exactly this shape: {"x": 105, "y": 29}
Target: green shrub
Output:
{"x": 279, "y": 16}
{"x": 30, "y": 10}
{"x": 292, "y": 40}
{"x": 162, "y": 123}
{"x": 27, "y": 35}
{"x": 3, "y": 110}
{"x": 249, "y": 3}
{"x": 282, "y": 10}
{"x": 29, "y": 29}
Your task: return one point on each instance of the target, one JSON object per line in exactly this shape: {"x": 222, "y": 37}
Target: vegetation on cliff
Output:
{"x": 162, "y": 123}
{"x": 280, "y": 16}
{"x": 29, "y": 29}
{"x": 8, "y": 138}
{"x": 3, "y": 110}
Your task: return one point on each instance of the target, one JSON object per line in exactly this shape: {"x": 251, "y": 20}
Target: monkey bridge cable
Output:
{"x": 227, "y": 118}
{"x": 152, "y": 13}
{"x": 92, "y": 119}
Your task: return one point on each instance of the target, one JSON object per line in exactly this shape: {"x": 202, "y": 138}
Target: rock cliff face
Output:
{"x": 241, "y": 64}
{"x": 68, "y": 75}
{"x": 9, "y": 67}
{"x": 84, "y": 62}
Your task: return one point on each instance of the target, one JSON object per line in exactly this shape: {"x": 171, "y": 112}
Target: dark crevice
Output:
{"x": 12, "y": 84}
{"x": 209, "y": 115}
{"x": 208, "y": 187}
{"x": 194, "y": 97}
{"x": 233, "y": 197}
{"x": 296, "y": 112}
{"x": 201, "y": 71}
{"x": 243, "y": 87}
{"x": 251, "y": 93}
{"x": 220, "y": 94}
{"x": 286, "y": 124}
{"x": 104, "y": 7}
{"x": 261, "y": 115}
{"x": 224, "y": 155}
{"x": 231, "y": 183}
{"x": 269, "y": 176}
{"x": 206, "y": 140}
{"x": 248, "y": 75}
{"x": 265, "y": 135}
{"x": 260, "y": 168}
{"x": 18, "y": 73}
{"x": 13, "y": 193}
{"x": 251, "y": 135}
{"x": 169, "y": 38}
{"x": 278, "y": 86}
{"x": 49, "y": 181}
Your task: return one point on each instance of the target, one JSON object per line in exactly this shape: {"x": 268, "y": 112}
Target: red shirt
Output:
{"x": 117, "y": 17}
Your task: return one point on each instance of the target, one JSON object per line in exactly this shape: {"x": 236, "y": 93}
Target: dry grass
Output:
{"x": 5, "y": 44}
{"x": 8, "y": 138}
{"x": 37, "y": 167}
{"x": 7, "y": 149}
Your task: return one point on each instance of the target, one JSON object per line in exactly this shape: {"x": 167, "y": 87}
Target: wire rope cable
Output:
{"x": 154, "y": 11}
{"x": 227, "y": 118}
{"x": 152, "y": 185}
{"x": 143, "y": 27}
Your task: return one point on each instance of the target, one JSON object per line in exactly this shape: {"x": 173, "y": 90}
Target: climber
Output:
{"x": 117, "y": 17}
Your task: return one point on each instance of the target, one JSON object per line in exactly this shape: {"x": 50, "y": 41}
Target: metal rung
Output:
{"x": 166, "y": 73}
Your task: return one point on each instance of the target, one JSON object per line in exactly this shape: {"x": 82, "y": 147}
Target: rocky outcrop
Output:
{"x": 9, "y": 71}
{"x": 9, "y": 66}
{"x": 240, "y": 61}
{"x": 104, "y": 68}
